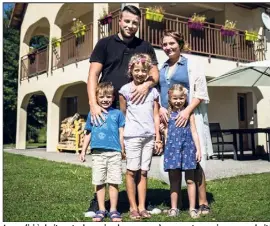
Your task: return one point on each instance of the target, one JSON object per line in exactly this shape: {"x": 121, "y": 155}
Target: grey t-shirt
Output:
{"x": 139, "y": 117}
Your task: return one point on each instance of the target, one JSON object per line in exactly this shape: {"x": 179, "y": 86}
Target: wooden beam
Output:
{"x": 210, "y": 6}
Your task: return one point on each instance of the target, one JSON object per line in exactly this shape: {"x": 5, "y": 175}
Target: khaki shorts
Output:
{"x": 139, "y": 151}
{"x": 107, "y": 167}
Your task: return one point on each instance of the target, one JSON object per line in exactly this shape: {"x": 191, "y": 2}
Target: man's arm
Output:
{"x": 153, "y": 77}
{"x": 139, "y": 94}
{"x": 96, "y": 111}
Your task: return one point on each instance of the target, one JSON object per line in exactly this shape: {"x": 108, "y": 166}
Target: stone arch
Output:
{"x": 68, "y": 11}
{"x": 54, "y": 114}
{"x": 40, "y": 27}
{"x": 22, "y": 118}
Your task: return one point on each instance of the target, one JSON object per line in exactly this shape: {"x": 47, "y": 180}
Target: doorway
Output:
{"x": 242, "y": 116}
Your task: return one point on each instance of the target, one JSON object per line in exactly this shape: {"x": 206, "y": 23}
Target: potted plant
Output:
{"x": 155, "y": 13}
{"x": 251, "y": 36}
{"x": 228, "y": 29}
{"x": 56, "y": 42}
{"x": 32, "y": 54}
{"x": 105, "y": 18}
{"x": 78, "y": 28}
{"x": 196, "y": 22}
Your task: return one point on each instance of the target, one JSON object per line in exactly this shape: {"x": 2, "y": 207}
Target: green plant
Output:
{"x": 78, "y": 28}
{"x": 32, "y": 50}
{"x": 198, "y": 18}
{"x": 104, "y": 14}
{"x": 156, "y": 9}
{"x": 229, "y": 25}
{"x": 42, "y": 135}
{"x": 56, "y": 41}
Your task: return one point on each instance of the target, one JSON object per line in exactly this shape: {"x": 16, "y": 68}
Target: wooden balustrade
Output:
{"x": 35, "y": 63}
{"x": 72, "y": 48}
{"x": 208, "y": 42}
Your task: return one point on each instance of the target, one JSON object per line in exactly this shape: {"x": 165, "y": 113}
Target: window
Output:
{"x": 72, "y": 106}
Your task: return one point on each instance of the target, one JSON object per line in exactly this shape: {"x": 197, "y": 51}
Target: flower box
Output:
{"x": 195, "y": 25}
{"x": 227, "y": 32}
{"x": 154, "y": 16}
{"x": 106, "y": 20}
{"x": 56, "y": 42}
{"x": 251, "y": 36}
{"x": 78, "y": 28}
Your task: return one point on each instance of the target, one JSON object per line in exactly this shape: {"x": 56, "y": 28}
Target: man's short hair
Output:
{"x": 132, "y": 9}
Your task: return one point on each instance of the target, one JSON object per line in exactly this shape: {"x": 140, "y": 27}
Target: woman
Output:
{"x": 177, "y": 69}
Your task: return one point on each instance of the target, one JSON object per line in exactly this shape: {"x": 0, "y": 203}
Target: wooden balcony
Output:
{"x": 34, "y": 64}
{"x": 73, "y": 49}
{"x": 208, "y": 42}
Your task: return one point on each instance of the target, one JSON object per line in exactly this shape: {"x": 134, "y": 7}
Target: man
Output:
{"x": 110, "y": 58}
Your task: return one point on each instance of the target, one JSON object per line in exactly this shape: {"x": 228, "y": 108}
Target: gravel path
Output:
{"x": 215, "y": 168}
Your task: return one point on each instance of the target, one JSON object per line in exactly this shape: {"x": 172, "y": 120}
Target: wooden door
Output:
{"x": 242, "y": 116}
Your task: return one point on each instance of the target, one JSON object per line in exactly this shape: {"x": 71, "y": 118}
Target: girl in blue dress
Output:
{"x": 182, "y": 151}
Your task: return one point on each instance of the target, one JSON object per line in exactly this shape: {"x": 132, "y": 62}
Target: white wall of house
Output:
{"x": 71, "y": 80}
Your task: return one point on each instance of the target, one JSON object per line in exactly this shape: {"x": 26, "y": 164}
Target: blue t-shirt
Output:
{"x": 106, "y": 136}
{"x": 179, "y": 76}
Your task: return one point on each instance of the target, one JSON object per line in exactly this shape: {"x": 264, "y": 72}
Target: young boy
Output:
{"x": 107, "y": 145}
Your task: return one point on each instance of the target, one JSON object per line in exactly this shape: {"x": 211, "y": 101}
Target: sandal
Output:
{"x": 100, "y": 215}
{"x": 115, "y": 215}
{"x": 134, "y": 215}
{"x": 145, "y": 214}
{"x": 204, "y": 209}
{"x": 194, "y": 213}
{"x": 173, "y": 212}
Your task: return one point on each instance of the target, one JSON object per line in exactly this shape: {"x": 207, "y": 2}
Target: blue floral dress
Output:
{"x": 180, "y": 150}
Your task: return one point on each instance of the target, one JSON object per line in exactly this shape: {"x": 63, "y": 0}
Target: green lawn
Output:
{"x": 38, "y": 190}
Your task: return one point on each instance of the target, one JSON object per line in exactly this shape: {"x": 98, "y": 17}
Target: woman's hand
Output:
{"x": 198, "y": 156}
{"x": 182, "y": 118}
{"x": 158, "y": 147}
{"x": 139, "y": 93}
{"x": 163, "y": 114}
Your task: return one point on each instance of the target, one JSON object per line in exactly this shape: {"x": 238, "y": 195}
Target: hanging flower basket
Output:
{"x": 227, "y": 32}
{"x": 106, "y": 20}
{"x": 78, "y": 28}
{"x": 195, "y": 25}
{"x": 154, "y": 14}
{"x": 228, "y": 29}
{"x": 251, "y": 36}
{"x": 31, "y": 56}
{"x": 196, "y": 22}
{"x": 56, "y": 42}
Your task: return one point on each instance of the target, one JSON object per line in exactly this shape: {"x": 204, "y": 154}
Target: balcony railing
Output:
{"x": 208, "y": 42}
{"x": 73, "y": 49}
{"x": 111, "y": 28}
{"x": 34, "y": 64}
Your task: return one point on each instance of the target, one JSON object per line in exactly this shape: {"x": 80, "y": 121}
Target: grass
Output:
{"x": 38, "y": 190}
{"x": 28, "y": 145}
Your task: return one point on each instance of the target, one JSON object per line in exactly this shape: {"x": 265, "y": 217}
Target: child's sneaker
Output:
{"x": 153, "y": 210}
{"x": 194, "y": 213}
{"x": 173, "y": 212}
{"x": 93, "y": 208}
{"x": 204, "y": 209}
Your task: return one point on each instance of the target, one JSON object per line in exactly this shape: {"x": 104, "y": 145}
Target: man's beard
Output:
{"x": 125, "y": 36}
